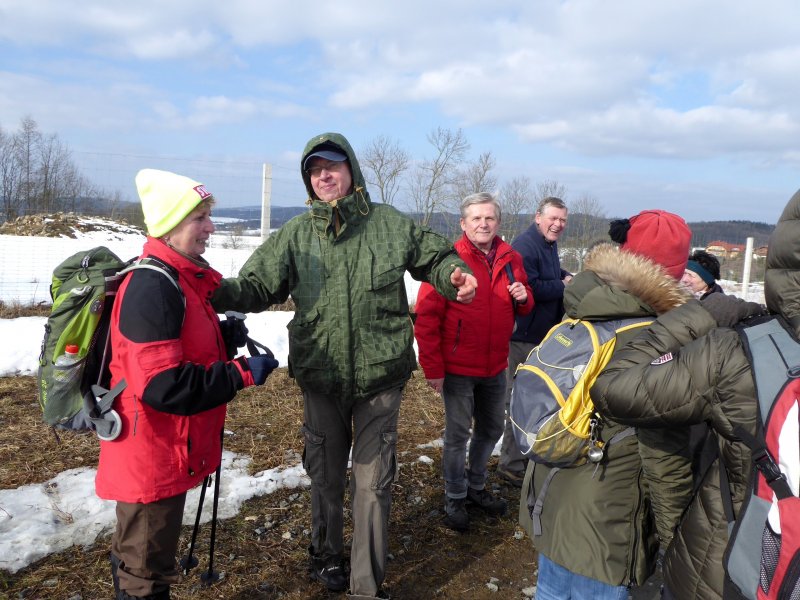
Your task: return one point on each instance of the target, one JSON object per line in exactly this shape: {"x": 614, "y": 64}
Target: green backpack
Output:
{"x": 75, "y": 396}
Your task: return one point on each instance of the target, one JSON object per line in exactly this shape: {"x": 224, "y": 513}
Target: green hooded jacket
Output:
{"x": 604, "y": 521}
{"x": 351, "y": 335}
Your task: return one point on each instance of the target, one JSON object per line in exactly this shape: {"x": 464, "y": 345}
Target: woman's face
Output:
{"x": 191, "y": 235}
{"x": 693, "y": 281}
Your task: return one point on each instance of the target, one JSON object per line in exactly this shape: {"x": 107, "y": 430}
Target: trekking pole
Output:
{"x": 189, "y": 562}
{"x": 211, "y": 576}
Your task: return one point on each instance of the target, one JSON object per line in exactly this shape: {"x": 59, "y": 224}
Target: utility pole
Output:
{"x": 266, "y": 200}
{"x": 748, "y": 259}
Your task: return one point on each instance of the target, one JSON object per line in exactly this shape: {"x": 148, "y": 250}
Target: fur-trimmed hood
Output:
{"x": 616, "y": 284}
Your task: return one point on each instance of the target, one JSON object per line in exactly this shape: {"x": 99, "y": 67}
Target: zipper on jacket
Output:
{"x": 458, "y": 335}
{"x": 135, "y": 414}
{"x": 189, "y": 454}
{"x": 637, "y": 530}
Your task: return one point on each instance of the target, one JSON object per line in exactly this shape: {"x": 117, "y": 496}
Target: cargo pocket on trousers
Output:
{"x": 387, "y": 464}
{"x": 314, "y": 455}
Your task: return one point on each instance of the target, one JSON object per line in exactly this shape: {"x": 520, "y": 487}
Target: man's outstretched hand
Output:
{"x": 465, "y": 283}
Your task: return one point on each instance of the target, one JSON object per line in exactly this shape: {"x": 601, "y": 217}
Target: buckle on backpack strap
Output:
{"x": 767, "y": 466}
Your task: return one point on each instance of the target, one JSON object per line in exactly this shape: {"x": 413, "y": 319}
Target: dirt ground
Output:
{"x": 262, "y": 552}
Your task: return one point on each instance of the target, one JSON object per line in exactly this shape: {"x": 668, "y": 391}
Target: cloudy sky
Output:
{"x": 688, "y": 105}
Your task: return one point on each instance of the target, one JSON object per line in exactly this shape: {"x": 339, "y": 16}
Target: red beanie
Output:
{"x": 661, "y": 236}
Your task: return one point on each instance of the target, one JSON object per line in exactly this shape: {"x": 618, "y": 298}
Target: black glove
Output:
{"x": 729, "y": 310}
{"x": 261, "y": 366}
{"x": 234, "y": 333}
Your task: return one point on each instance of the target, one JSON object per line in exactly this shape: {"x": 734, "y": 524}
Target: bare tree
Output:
{"x": 587, "y": 224}
{"x": 517, "y": 200}
{"x": 472, "y": 178}
{"x": 384, "y": 162}
{"x": 475, "y": 177}
{"x": 26, "y": 144}
{"x": 429, "y": 188}
{"x": 37, "y": 173}
{"x": 10, "y": 177}
{"x": 547, "y": 188}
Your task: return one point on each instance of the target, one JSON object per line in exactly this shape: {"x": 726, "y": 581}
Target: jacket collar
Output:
{"x": 349, "y": 211}
{"x": 616, "y": 284}
{"x": 196, "y": 273}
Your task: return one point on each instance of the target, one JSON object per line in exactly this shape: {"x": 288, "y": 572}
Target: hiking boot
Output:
{"x": 331, "y": 573}
{"x": 162, "y": 595}
{"x": 512, "y": 476}
{"x": 381, "y": 595}
{"x": 455, "y": 513}
{"x": 487, "y": 502}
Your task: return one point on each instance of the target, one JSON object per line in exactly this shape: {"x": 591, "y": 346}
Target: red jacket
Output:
{"x": 179, "y": 380}
{"x": 471, "y": 339}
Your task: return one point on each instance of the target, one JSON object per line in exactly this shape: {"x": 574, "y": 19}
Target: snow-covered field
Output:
{"x": 32, "y": 522}
{"x": 39, "y": 519}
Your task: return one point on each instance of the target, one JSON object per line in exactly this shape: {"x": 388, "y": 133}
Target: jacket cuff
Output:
{"x": 240, "y": 362}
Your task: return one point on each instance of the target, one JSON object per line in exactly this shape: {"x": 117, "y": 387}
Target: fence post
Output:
{"x": 748, "y": 259}
{"x": 266, "y": 200}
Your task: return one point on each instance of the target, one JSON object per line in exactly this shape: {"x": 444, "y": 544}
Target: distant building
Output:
{"x": 722, "y": 249}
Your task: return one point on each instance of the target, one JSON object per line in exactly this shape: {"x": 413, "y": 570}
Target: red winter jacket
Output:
{"x": 179, "y": 380}
{"x": 471, "y": 339}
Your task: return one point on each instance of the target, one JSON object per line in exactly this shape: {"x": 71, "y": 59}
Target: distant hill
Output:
{"x": 703, "y": 232}
{"x": 735, "y": 232}
{"x": 251, "y": 216}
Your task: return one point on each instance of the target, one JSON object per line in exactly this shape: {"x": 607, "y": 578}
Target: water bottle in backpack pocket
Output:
{"x": 67, "y": 374}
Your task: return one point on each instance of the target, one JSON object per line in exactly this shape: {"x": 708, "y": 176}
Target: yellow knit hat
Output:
{"x": 167, "y": 198}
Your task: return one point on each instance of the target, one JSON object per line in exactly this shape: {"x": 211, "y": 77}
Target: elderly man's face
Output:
{"x": 330, "y": 180}
{"x": 551, "y": 222}
{"x": 480, "y": 224}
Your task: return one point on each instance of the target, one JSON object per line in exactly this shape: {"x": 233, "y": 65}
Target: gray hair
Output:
{"x": 480, "y": 198}
{"x": 550, "y": 201}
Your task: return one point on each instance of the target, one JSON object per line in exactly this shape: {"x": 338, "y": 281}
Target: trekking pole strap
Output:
{"x": 253, "y": 348}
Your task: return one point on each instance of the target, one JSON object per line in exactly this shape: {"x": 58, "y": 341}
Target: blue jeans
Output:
{"x": 467, "y": 398}
{"x": 557, "y": 583}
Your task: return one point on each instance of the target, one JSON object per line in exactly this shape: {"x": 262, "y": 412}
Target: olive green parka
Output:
{"x": 343, "y": 263}
{"x": 684, "y": 370}
{"x": 598, "y": 520}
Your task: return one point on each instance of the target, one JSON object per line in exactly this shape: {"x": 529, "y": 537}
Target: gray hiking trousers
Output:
{"x": 330, "y": 429}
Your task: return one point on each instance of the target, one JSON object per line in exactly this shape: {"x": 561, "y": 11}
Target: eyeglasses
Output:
{"x": 331, "y": 167}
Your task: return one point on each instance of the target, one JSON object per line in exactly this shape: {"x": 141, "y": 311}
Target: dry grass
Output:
{"x": 259, "y": 561}
{"x": 12, "y": 310}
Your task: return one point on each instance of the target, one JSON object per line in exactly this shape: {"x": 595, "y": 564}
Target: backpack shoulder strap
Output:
{"x": 154, "y": 265}
{"x": 774, "y": 355}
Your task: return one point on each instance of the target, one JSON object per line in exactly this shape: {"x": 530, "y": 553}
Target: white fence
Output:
{"x": 27, "y": 263}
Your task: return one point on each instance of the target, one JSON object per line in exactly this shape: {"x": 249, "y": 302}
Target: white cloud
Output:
{"x": 688, "y": 79}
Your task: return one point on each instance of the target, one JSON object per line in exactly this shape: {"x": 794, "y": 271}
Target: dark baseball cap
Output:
{"x": 331, "y": 155}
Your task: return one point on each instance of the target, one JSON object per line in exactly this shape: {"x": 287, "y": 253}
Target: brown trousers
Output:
{"x": 330, "y": 428}
{"x": 145, "y": 542}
